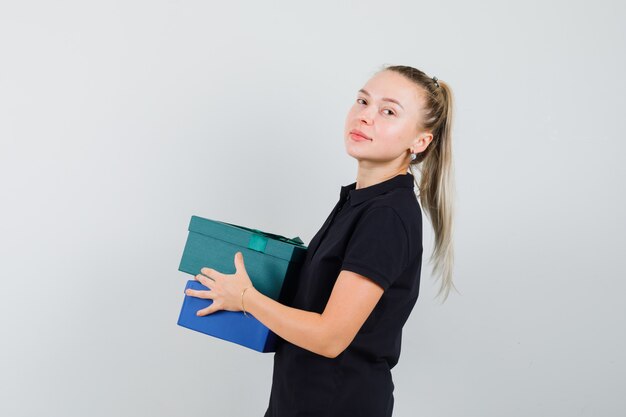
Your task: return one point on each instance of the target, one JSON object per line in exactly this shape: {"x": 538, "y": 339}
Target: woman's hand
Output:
{"x": 224, "y": 289}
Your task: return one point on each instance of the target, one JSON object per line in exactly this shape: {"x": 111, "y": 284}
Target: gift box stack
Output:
{"x": 273, "y": 264}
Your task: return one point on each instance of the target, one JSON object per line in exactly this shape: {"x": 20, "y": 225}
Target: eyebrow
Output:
{"x": 384, "y": 98}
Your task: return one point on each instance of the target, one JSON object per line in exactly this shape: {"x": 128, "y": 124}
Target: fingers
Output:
{"x": 211, "y": 273}
{"x": 206, "y": 295}
{"x": 205, "y": 280}
{"x": 224, "y": 289}
{"x": 206, "y": 311}
{"x": 200, "y": 293}
{"x": 239, "y": 264}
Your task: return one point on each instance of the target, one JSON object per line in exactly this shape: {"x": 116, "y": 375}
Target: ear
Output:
{"x": 421, "y": 142}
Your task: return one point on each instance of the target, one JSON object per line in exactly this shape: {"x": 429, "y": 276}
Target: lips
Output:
{"x": 359, "y": 133}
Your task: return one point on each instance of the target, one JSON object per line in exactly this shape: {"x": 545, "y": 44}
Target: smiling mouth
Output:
{"x": 356, "y": 135}
{"x": 358, "y": 138}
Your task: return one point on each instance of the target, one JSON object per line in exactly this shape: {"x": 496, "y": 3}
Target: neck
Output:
{"x": 367, "y": 177}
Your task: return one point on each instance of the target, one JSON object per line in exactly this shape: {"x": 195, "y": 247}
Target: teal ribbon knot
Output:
{"x": 258, "y": 240}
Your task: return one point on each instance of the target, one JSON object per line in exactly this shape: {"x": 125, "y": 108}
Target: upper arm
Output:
{"x": 375, "y": 256}
{"x": 378, "y": 247}
{"x": 352, "y": 300}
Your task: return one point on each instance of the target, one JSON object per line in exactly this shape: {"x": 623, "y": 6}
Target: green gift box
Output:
{"x": 272, "y": 261}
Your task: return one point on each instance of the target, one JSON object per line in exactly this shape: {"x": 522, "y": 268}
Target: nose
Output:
{"x": 365, "y": 117}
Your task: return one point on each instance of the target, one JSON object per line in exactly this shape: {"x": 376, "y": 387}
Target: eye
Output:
{"x": 358, "y": 100}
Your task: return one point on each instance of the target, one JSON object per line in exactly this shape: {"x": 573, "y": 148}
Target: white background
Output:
{"x": 119, "y": 120}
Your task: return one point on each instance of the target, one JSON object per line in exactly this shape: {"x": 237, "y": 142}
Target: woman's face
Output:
{"x": 387, "y": 110}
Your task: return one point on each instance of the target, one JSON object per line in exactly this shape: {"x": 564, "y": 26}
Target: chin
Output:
{"x": 350, "y": 152}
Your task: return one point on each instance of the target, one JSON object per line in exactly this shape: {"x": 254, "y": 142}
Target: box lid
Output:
{"x": 289, "y": 249}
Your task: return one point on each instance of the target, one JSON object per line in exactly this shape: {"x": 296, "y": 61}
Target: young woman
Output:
{"x": 341, "y": 334}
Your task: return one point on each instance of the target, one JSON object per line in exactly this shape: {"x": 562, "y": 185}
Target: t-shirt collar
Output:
{"x": 363, "y": 194}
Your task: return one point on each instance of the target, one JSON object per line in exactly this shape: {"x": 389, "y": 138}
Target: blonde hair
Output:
{"x": 435, "y": 165}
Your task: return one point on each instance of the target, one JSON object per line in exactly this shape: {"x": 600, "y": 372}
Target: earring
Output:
{"x": 413, "y": 156}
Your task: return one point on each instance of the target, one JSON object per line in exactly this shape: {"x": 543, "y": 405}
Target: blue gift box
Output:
{"x": 273, "y": 264}
{"x": 232, "y": 326}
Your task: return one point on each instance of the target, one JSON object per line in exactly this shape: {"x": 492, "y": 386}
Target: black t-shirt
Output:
{"x": 374, "y": 231}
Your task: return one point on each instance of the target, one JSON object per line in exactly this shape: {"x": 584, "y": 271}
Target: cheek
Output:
{"x": 350, "y": 122}
{"x": 389, "y": 131}
{"x": 351, "y": 114}
{"x": 392, "y": 136}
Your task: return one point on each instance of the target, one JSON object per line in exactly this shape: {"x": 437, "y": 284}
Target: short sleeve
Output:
{"x": 378, "y": 247}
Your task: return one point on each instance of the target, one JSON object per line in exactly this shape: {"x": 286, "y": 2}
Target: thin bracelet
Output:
{"x": 242, "y": 307}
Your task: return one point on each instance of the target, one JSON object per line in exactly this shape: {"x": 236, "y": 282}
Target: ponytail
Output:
{"x": 435, "y": 165}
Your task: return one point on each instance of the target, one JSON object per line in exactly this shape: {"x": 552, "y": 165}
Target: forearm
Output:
{"x": 302, "y": 328}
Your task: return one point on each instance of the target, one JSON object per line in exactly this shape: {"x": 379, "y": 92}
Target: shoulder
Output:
{"x": 383, "y": 241}
{"x": 402, "y": 202}
{"x": 403, "y": 206}
{"x": 381, "y": 214}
